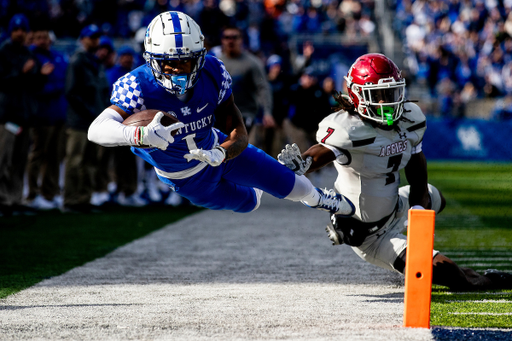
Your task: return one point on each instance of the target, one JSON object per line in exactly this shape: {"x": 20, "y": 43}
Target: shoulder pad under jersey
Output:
{"x": 345, "y": 131}
{"x": 222, "y": 79}
{"x": 413, "y": 120}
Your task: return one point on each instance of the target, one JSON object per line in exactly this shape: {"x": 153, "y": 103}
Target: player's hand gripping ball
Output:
{"x": 154, "y": 128}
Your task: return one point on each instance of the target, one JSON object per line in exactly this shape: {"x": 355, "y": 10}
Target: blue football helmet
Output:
{"x": 174, "y": 36}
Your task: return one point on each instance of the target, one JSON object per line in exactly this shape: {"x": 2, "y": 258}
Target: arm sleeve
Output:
{"x": 108, "y": 131}
{"x": 417, "y": 148}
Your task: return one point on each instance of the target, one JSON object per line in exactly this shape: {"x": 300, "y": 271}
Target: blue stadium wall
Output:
{"x": 468, "y": 139}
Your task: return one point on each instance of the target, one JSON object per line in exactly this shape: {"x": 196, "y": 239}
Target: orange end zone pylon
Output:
{"x": 418, "y": 268}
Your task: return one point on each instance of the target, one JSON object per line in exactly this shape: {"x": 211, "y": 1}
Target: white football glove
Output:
{"x": 155, "y": 134}
{"x": 213, "y": 157}
{"x": 415, "y": 207}
{"x": 291, "y": 158}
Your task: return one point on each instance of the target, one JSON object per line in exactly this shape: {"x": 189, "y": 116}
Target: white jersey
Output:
{"x": 371, "y": 158}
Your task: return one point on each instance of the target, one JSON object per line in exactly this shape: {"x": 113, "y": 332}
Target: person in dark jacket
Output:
{"x": 47, "y": 133}
{"x": 308, "y": 105}
{"x": 87, "y": 93}
{"x": 20, "y": 77}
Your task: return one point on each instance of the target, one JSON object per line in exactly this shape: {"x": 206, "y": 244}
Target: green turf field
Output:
{"x": 475, "y": 230}
{"x": 33, "y": 248}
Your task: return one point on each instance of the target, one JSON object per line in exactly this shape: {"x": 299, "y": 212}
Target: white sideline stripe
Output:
{"x": 482, "y": 293}
{"x": 478, "y": 253}
{"x": 493, "y": 314}
{"x": 483, "y": 258}
{"x": 487, "y": 264}
{"x": 465, "y": 212}
{"x": 480, "y": 301}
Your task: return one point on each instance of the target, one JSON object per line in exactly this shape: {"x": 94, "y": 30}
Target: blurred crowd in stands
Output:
{"x": 49, "y": 97}
{"x": 458, "y": 49}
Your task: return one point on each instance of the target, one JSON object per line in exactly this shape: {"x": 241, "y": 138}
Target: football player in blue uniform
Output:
{"x": 211, "y": 169}
{"x": 374, "y": 135}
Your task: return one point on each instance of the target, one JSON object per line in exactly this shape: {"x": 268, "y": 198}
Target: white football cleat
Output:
{"x": 333, "y": 202}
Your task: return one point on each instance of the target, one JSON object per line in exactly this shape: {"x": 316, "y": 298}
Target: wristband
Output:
{"x": 223, "y": 150}
{"x": 139, "y": 136}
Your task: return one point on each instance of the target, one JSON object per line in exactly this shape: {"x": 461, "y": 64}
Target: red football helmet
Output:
{"x": 376, "y": 87}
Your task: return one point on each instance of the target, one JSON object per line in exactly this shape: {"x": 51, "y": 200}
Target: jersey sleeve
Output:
{"x": 221, "y": 77}
{"x": 344, "y": 131}
{"x": 127, "y": 94}
{"x": 331, "y": 133}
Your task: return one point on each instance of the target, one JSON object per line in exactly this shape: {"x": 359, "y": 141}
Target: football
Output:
{"x": 144, "y": 117}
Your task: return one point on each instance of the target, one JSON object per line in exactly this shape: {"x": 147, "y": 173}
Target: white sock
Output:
{"x": 303, "y": 190}
{"x": 259, "y": 193}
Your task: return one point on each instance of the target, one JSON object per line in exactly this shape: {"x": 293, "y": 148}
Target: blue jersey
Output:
{"x": 138, "y": 90}
{"x": 229, "y": 186}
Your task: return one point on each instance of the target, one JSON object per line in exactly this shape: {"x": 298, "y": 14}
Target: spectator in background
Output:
{"x": 124, "y": 161}
{"x": 274, "y": 137}
{"x": 212, "y": 20}
{"x": 468, "y": 41}
{"x": 106, "y": 55}
{"x": 503, "y": 108}
{"x": 87, "y": 92}
{"x": 47, "y": 133}
{"x": 329, "y": 88}
{"x": 250, "y": 86}
{"x": 21, "y": 77}
{"x": 309, "y": 104}
{"x": 302, "y": 61}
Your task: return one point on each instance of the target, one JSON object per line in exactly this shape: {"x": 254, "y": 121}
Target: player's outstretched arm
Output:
{"x": 233, "y": 145}
{"x": 107, "y": 129}
{"x": 321, "y": 155}
{"x": 314, "y": 158}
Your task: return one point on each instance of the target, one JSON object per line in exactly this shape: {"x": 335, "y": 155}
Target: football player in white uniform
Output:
{"x": 208, "y": 167}
{"x": 375, "y": 135}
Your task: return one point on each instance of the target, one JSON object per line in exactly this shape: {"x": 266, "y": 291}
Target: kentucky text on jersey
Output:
{"x": 199, "y": 124}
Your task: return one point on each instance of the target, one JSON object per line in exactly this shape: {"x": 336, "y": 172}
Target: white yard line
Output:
{"x": 489, "y": 258}
{"x": 483, "y": 264}
{"x": 484, "y": 314}
{"x": 477, "y": 253}
{"x": 480, "y": 301}
{"x": 480, "y": 293}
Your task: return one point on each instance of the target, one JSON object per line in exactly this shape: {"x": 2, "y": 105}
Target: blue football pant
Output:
{"x": 230, "y": 185}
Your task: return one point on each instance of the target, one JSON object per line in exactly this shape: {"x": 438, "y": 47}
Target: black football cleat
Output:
{"x": 500, "y": 279}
